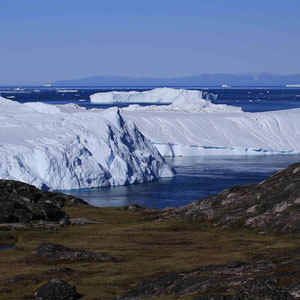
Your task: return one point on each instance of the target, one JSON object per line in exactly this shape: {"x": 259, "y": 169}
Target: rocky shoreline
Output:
{"x": 23, "y": 203}
{"x": 272, "y": 205}
{"x": 269, "y": 209}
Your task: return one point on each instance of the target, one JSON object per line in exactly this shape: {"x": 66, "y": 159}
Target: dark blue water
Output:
{"x": 197, "y": 177}
{"x": 249, "y": 99}
{"x": 4, "y": 247}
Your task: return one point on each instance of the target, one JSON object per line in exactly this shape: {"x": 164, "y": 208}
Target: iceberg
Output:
{"x": 66, "y": 91}
{"x": 192, "y": 125}
{"x": 158, "y": 95}
{"x": 68, "y": 147}
{"x": 178, "y": 133}
{"x": 187, "y": 102}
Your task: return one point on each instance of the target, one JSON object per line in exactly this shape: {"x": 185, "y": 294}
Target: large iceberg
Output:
{"x": 67, "y": 147}
{"x": 177, "y": 133}
{"x": 158, "y": 95}
{"x": 189, "y": 104}
{"x": 192, "y": 125}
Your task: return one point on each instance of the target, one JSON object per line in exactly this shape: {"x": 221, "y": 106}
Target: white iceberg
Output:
{"x": 177, "y": 133}
{"x": 192, "y": 126}
{"x": 187, "y": 102}
{"x": 67, "y": 147}
{"x": 66, "y": 91}
{"x": 159, "y": 95}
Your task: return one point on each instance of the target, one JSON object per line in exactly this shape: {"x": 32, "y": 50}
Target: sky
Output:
{"x": 43, "y": 41}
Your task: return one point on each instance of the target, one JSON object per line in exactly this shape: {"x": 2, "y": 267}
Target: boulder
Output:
{"x": 21, "y": 202}
{"x": 54, "y": 252}
{"x": 56, "y": 289}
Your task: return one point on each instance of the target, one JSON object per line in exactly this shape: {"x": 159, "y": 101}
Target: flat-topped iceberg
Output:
{"x": 158, "y": 95}
{"x": 66, "y": 147}
{"x": 192, "y": 126}
{"x": 189, "y": 103}
{"x": 177, "y": 133}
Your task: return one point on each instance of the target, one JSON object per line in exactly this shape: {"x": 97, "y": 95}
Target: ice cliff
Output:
{"x": 66, "y": 147}
{"x": 177, "y": 133}
{"x": 187, "y": 102}
{"x": 192, "y": 125}
{"x": 158, "y": 95}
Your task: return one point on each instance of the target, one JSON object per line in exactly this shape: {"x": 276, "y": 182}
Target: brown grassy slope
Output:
{"x": 143, "y": 249}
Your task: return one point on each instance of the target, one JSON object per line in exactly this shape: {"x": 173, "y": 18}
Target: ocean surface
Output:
{"x": 197, "y": 177}
{"x": 253, "y": 99}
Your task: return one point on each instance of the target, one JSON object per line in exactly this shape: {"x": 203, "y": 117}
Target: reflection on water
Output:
{"x": 197, "y": 177}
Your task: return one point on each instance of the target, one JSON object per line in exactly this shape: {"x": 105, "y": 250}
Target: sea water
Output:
{"x": 249, "y": 99}
{"x": 197, "y": 177}
{"x": 4, "y": 247}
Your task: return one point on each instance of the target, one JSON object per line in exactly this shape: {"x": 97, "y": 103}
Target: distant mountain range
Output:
{"x": 262, "y": 79}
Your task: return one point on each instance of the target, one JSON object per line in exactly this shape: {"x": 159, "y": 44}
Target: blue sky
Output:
{"x": 43, "y": 41}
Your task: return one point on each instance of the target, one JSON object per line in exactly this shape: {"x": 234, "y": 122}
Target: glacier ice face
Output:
{"x": 178, "y": 100}
{"x": 192, "y": 126}
{"x": 158, "y": 95}
{"x": 177, "y": 133}
{"x": 187, "y": 104}
{"x": 67, "y": 147}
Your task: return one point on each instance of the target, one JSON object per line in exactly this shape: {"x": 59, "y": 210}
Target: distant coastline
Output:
{"x": 234, "y": 80}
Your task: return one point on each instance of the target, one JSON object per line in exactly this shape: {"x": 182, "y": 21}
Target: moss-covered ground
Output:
{"x": 143, "y": 248}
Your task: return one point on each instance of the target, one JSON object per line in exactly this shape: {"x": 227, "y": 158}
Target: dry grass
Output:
{"x": 143, "y": 249}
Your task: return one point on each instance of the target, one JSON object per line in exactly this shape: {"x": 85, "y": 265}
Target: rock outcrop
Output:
{"x": 21, "y": 202}
{"x": 259, "y": 280}
{"x": 54, "y": 253}
{"x": 56, "y": 289}
{"x": 272, "y": 205}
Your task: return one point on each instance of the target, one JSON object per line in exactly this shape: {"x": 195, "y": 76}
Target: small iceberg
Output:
{"x": 67, "y": 91}
{"x": 226, "y": 86}
{"x": 293, "y": 85}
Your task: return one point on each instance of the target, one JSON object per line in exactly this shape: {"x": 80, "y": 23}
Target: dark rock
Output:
{"x": 56, "y": 289}
{"x": 62, "y": 270}
{"x": 151, "y": 288}
{"x": 21, "y": 202}
{"x": 132, "y": 207}
{"x": 136, "y": 207}
{"x": 16, "y": 279}
{"x": 218, "y": 297}
{"x": 7, "y": 212}
{"x": 264, "y": 289}
{"x": 54, "y": 252}
{"x": 272, "y": 205}
{"x": 82, "y": 221}
{"x": 256, "y": 280}
{"x": 294, "y": 289}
